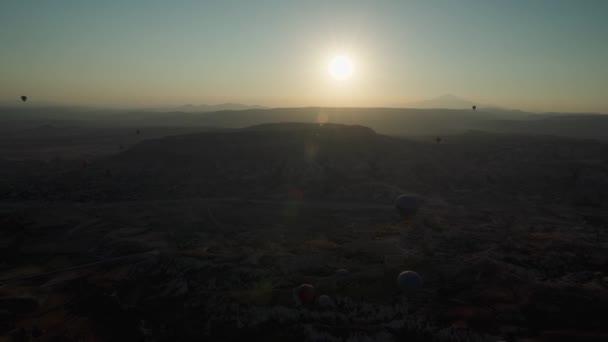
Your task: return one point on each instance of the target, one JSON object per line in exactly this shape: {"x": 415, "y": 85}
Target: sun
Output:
{"x": 341, "y": 68}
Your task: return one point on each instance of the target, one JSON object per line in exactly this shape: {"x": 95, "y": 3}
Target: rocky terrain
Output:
{"x": 204, "y": 236}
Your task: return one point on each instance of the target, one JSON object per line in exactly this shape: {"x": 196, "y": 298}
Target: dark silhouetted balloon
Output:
{"x": 409, "y": 281}
{"x": 23, "y": 98}
{"x": 438, "y": 139}
{"x": 325, "y": 301}
{"x": 342, "y": 277}
{"x": 474, "y": 107}
{"x": 304, "y": 294}
{"x": 408, "y": 205}
{"x": 137, "y": 132}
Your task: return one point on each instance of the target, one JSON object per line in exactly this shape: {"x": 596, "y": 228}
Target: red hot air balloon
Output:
{"x": 304, "y": 294}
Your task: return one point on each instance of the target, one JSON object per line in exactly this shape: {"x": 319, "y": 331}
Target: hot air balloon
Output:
{"x": 408, "y": 205}
{"x": 23, "y": 98}
{"x": 342, "y": 277}
{"x": 325, "y": 301}
{"x": 409, "y": 281}
{"x": 304, "y": 294}
{"x": 438, "y": 139}
{"x": 137, "y": 132}
{"x": 474, "y": 107}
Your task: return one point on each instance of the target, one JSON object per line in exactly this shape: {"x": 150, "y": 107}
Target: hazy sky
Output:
{"x": 534, "y": 55}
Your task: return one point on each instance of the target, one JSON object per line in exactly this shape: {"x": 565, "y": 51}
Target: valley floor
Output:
{"x": 224, "y": 269}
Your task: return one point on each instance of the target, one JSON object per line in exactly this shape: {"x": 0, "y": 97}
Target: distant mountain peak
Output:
{"x": 218, "y": 107}
{"x": 447, "y": 101}
{"x": 450, "y": 97}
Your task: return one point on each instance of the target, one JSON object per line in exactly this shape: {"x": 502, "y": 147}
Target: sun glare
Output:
{"x": 341, "y": 68}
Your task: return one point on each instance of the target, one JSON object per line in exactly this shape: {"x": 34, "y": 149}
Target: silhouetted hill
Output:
{"x": 393, "y": 121}
{"x": 214, "y": 108}
{"x": 589, "y": 126}
{"x": 264, "y": 160}
{"x": 333, "y": 161}
{"x": 449, "y": 101}
{"x": 446, "y": 101}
